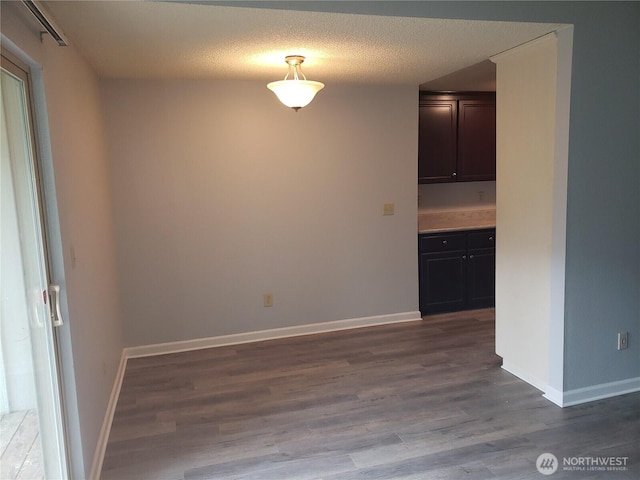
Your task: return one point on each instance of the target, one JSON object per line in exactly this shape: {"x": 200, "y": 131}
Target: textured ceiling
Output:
{"x": 142, "y": 39}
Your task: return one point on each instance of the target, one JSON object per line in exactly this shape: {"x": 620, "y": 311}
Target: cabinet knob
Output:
{"x": 454, "y": 174}
{"x": 464, "y": 257}
{"x": 491, "y": 239}
{"x": 470, "y": 256}
{"x": 444, "y": 242}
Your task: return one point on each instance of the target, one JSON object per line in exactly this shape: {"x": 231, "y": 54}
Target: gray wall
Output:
{"x": 222, "y": 194}
{"x": 603, "y": 213}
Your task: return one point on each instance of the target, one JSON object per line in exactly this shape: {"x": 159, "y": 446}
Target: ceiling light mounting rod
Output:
{"x": 295, "y": 92}
{"x": 294, "y": 62}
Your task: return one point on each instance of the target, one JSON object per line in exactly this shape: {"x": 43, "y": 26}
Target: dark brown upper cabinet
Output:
{"x": 457, "y": 137}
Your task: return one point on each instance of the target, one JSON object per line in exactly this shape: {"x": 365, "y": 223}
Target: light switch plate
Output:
{"x": 388, "y": 209}
{"x": 268, "y": 299}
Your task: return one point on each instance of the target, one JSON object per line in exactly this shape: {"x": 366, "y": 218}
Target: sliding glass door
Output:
{"x": 30, "y": 400}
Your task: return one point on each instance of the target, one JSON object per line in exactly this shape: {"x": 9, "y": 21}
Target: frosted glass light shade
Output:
{"x": 295, "y": 93}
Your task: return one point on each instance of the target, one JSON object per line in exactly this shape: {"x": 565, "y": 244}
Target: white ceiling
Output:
{"x": 148, "y": 39}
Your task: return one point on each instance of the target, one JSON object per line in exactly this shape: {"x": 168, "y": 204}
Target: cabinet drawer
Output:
{"x": 443, "y": 243}
{"x": 482, "y": 239}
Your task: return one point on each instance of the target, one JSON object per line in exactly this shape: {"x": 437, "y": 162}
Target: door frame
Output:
{"x": 51, "y": 233}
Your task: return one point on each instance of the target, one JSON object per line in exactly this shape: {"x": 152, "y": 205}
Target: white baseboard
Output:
{"x": 522, "y": 375}
{"x": 600, "y": 391}
{"x": 555, "y": 396}
{"x": 260, "y": 335}
{"x": 101, "y": 447}
{"x": 580, "y": 395}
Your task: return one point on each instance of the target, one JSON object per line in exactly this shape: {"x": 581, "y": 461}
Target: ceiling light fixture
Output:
{"x": 294, "y": 92}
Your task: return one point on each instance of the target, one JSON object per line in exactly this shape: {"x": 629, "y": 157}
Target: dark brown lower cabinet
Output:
{"x": 457, "y": 271}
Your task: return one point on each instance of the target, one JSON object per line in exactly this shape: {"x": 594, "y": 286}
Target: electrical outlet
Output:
{"x": 267, "y": 299}
{"x": 388, "y": 209}
{"x": 623, "y": 340}
{"x": 481, "y": 196}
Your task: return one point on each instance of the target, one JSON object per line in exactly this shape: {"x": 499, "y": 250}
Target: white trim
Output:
{"x": 522, "y": 375}
{"x": 260, "y": 335}
{"x": 599, "y": 392}
{"x": 557, "y": 301}
{"x": 101, "y": 447}
{"x": 554, "y": 395}
{"x": 518, "y": 48}
{"x": 580, "y": 395}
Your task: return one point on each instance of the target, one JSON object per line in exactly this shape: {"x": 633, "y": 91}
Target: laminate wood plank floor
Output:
{"x": 415, "y": 400}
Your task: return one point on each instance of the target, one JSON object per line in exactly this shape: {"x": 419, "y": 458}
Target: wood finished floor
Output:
{"x": 416, "y": 400}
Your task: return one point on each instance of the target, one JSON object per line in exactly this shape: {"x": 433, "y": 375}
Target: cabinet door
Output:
{"x": 443, "y": 282}
{"x": 476, "y": 140}
{"x": 437, "y": 143}
{"x": 481, "y": 278}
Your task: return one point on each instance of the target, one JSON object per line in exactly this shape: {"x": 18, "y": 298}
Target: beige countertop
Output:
{"x": 433, "y": 222}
